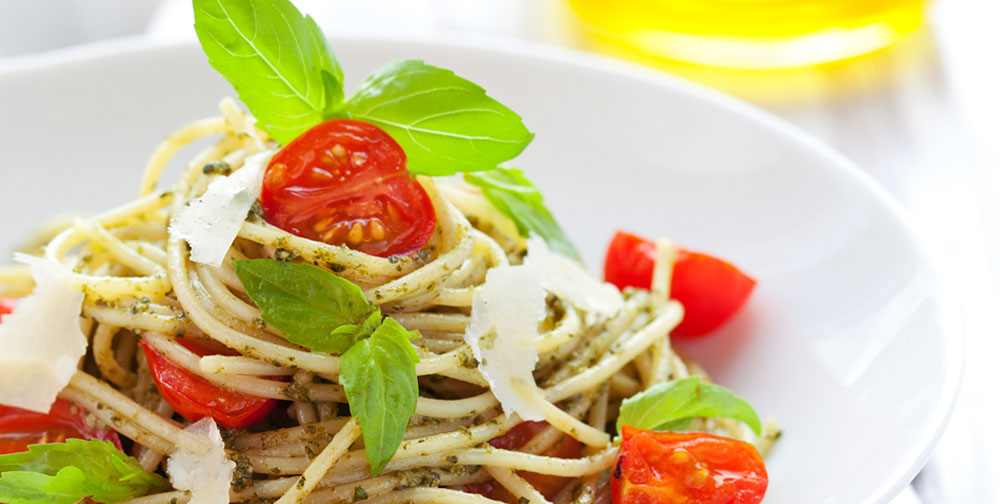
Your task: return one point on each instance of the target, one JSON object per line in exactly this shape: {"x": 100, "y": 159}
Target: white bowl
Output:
{"x": 847, "y": 341}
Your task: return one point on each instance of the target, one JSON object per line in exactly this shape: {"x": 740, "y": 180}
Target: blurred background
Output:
{"x": 908, "y": 89}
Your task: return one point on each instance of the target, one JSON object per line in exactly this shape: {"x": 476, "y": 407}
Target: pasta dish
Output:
{"x": 346, "y": 300}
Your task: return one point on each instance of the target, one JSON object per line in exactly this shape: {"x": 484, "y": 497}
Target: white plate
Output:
{"x": 846, "y": 341}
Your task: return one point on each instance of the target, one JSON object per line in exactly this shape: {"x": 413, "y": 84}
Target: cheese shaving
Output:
{"x": 211, "y": 222}
{"x": 506, "y": 312}
{"x": 207, "y": 476}
{"x": 41, "y": 342}
{"x": 569, "y": 280}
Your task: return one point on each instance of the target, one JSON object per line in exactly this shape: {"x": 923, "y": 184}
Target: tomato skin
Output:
{"x": 7, "y": 305}
{"x": 629, "y": 261}
{"x": 20, "y": 428}
{"x": 518, "y": 436}
{"x": 345, "y": 182}
{"x": 194, "y": 397}
{"x": 686, "y": 468}
{"x": 546, "y": 484}
{"x": 711, "y": 290}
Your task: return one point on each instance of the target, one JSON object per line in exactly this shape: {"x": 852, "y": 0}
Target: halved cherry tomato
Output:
{"x": 195, "y": 397}
{"x": 686, "y": 468}
{"x": 518, "y": 436}
{"x": 710, "y": 289}
{"x": 344, "y": 182}
{"x": 7, "y": 305}
{"x": 20, "y": 428}
{"x": 546, "y": 484}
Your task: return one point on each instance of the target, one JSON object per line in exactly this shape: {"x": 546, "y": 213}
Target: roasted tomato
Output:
{"x": 710, "y": 289}
{"x": 546, "y": 484}
{"x": 195, "y": 397}
{"x": 686, "y": 468}
{"x": 345, "y": 182}
{"x": 20, "y": 428}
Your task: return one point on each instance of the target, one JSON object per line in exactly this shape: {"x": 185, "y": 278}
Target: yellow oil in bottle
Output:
{"x": 750, "y": 33}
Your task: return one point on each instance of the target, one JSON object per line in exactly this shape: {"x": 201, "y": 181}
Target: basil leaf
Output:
{"x": 64, "y": 473}
{"x": 380, "y": 379}
{"x": 664, "y": 405}
{"x": 326, "y": 313}
{"x": 516, "y": 197}
{"x": 444, "y": 123}
{"x": 277, "y": 59}
{"x": 307, "y": 303}
{"x": 357, "y": 332}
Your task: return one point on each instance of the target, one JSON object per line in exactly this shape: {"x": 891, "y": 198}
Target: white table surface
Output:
{"x": 922, "y": 118}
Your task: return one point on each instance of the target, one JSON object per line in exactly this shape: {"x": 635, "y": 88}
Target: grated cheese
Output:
{"x": 569, "y": 280}
{"x": 207, "y": 476}
{"x": 40, "y": 342}
{"x": 210, "y": 223}
{"x": 506, "y": 311}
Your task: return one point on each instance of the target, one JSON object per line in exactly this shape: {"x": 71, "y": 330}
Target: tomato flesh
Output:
{"x": 711, "y": 290}
{"x": 546, "y": 484}
{"x": 194, "y": 397}
{"x": 20, "y": 428}
{"x": 686, "y": 468}
{"x": 345, "y": 182}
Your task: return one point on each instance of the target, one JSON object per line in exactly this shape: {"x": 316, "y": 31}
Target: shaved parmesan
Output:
{"x": 40, "y": 342}
{"x": 211, "y": 222}
{"x": 207, "y": 476}
{"x": 569, "y": 280}
{"x": 506, "y": 311}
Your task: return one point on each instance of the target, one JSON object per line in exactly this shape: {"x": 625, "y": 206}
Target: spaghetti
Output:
{"x": 141, "y": 286}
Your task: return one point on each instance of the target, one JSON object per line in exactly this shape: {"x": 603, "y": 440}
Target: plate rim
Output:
{"x": 952, "y": 330}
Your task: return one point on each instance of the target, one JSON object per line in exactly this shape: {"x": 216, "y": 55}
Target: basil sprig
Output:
{"x": 325, "y": 313}
{"x": 64, "y": 473}
{"x": 311, "y": 306}
{"x": 516, "y": 197}
{"x": 284, "y": 71}
{"x": 672, "y": 405}
{"x": 380, "y": 379}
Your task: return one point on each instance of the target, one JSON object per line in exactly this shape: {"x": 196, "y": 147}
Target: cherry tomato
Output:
{"x": 344, "y": 182}
{"x": 546, "y": 484}
{"x": 686, "y": 468}
{"x": 195, "y": 397}
{"x": 518, "y": 436}
{"x": 710, "y": 289}
{"x": 20, "y": 428}
{"x": 7, "y": 305}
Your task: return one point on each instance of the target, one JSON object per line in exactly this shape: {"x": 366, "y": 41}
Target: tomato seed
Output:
{"x": 322, "y": 224}
{"x": 356, "y": 234}
{"x": 377, "y": 230}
